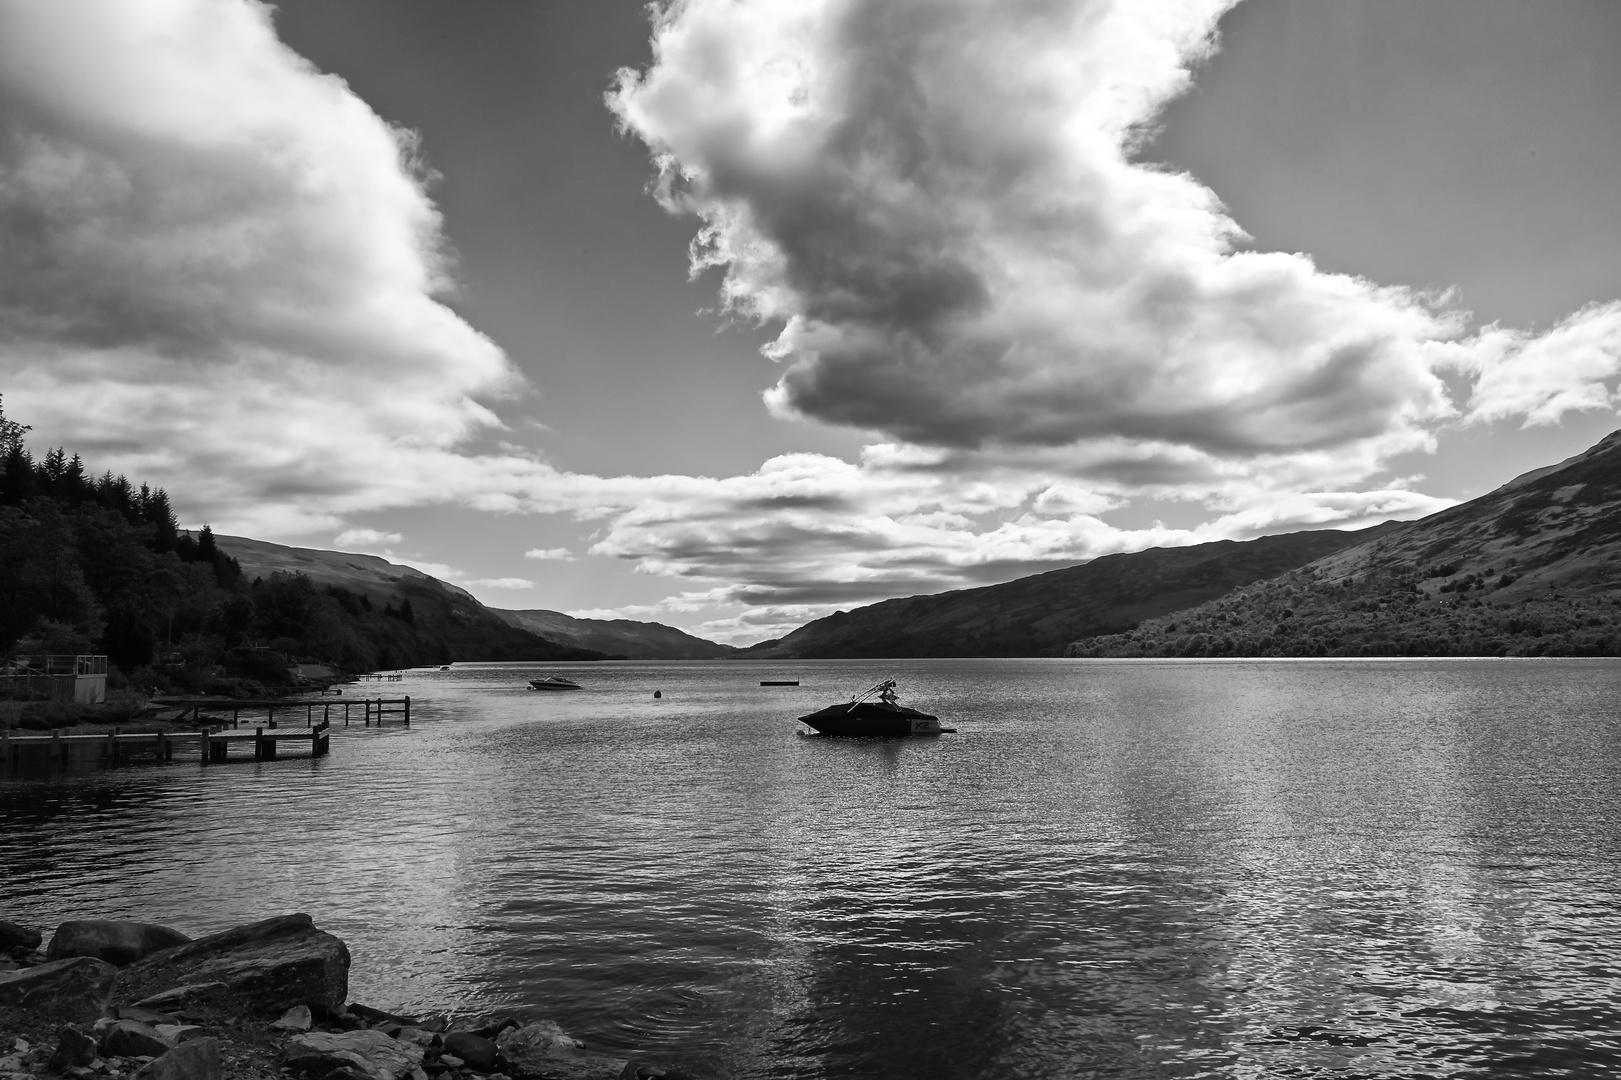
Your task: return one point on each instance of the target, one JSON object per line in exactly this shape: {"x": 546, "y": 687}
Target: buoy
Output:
{"x": 658, "y": 693}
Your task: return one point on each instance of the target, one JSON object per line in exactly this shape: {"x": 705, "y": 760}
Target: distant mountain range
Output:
{"x": 625, "y": 638}
{"x": 1532, "y": 568}
{"x": 1041, "y": 615}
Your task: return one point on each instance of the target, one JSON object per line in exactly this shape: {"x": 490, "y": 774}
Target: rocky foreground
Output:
{"x": 126, "y": 1000}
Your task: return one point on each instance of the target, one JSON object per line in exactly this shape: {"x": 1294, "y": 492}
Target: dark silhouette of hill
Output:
{"x": 623, "y": 638}
{"x": 1040, "y": 615}
{"x": 365, "y": 608}
{"x": 1532, "y": 568}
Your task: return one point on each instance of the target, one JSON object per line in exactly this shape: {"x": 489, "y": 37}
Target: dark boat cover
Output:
{"x": 872, "y": 718}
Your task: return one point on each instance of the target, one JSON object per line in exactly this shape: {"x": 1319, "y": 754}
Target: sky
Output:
{"x": 731, "y": 313}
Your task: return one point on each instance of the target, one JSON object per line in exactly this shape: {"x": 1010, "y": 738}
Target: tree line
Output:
{"x": 98, "y": 564}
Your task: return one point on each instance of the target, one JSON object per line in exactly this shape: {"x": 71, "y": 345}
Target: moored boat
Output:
{"x": 553, "y": 682}
{"x": 881, "y": 716}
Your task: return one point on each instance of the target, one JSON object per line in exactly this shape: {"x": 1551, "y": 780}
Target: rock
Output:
{"x": 198, "y": 1059}
{"x": 297, "y": 1018}
{"x": 417, "y": 1036}
{"x": 375, "y": 1055}
{"x": 77, "y": 990}
{"x": 181, "y": 995}
{"x": 175, "y": 1034}
{"x": 271, "y": 965}
{"x": 118, "y": 943}
{"x": 17, "y": 936}
{"x": 131, "y": 1038}
{"x": 73, "y": 1048}
{"x": 474, "y": 1050}
{"x": 545, "y": 1050}
{"x": 143, "y": 1014}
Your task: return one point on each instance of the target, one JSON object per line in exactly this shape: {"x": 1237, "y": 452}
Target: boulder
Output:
{"x": 75, "y": 990}
{"x": 73, "y": 1049}
{"x": 181, "y": 996}
{"x": 198, "y": 1059}
{"x": 543, "y": 1050}
{"x": 131, "y": 1038}
{"x": 475, "y": 1050}
{"x": 375, "y": 1055}
{"x": 16, "y": 936}
{"x": 269, "y": 966}
{"x": 118, "y": 943}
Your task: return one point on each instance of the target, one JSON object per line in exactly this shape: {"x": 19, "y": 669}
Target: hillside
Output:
{"x": 1532, "y": 568}
{"x": 625, "y": 638}
{"x": 1040, "y": 615}
{"x": 381, "y": 614}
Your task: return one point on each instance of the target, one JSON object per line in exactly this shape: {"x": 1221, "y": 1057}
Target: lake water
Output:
{"x": 1114, "y": 868}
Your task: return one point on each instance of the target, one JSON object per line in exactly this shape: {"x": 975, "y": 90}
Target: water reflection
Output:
{"x": 1114, "y": 869}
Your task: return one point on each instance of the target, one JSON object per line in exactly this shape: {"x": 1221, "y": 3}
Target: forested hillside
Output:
{"x": 98, "y": 564}
{"x": 1530, "y": 569}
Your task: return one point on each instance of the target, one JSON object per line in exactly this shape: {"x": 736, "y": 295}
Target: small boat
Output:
{"x": 444, "y": 667}
{"x": 885, "y": 716}
{"x": 553, "y": 682}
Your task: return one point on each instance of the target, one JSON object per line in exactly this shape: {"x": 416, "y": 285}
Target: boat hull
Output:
{"x": 548, "y": 684}
{"x": 870, "y": 719}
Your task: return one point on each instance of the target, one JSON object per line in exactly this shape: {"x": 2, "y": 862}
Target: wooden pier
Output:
{"x": 280, "y": 721}
{"x": 212, "y": 745}
{"x": 372, "y": 710}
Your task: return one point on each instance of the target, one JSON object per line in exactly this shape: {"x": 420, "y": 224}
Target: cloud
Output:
{"x": 559, "y": 554}
{"x": 211, "y": 258}
{"x": 1571, "y": 368}
{"x": 501, "y": 583}
{"x": 939, "y": 203}
{"x": 807, "y": 533}
{"x": 366, "y": 538}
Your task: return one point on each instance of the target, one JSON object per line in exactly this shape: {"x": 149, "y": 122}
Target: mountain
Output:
{"x": 1040, "y": 615}
{"x": 1532, "y": 568}
{"x": 384, "y": 614}
{"x": 617, "y": 637}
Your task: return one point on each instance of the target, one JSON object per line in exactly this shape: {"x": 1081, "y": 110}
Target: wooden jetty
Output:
{"x": 380, "y": 676}
{"x": 372, "y": 710}
{"x": 212, "y": 745}
{"x": 284, "y": 722}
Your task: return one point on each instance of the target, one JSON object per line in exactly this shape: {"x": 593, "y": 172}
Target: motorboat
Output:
{"x": 553, "y": 682}
{"x": 868, "y": 714}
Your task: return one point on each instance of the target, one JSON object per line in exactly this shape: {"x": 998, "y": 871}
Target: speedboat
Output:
{"x": 865, "y": 715}
{"x": 553, "y": 682}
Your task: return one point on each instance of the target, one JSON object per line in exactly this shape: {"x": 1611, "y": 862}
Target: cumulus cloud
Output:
{"x": 942, "y": 205}
{"x": 557, "y": 554}
{"x": 500, "y": 583}
{"x": 366, "y": 538}
{"x": 938, "y": 201}
{"x": 211, "y": 258}
{"x": 1571, "y": 368}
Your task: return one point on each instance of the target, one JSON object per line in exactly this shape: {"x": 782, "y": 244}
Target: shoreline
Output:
{"x": 127, "y": 1000}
